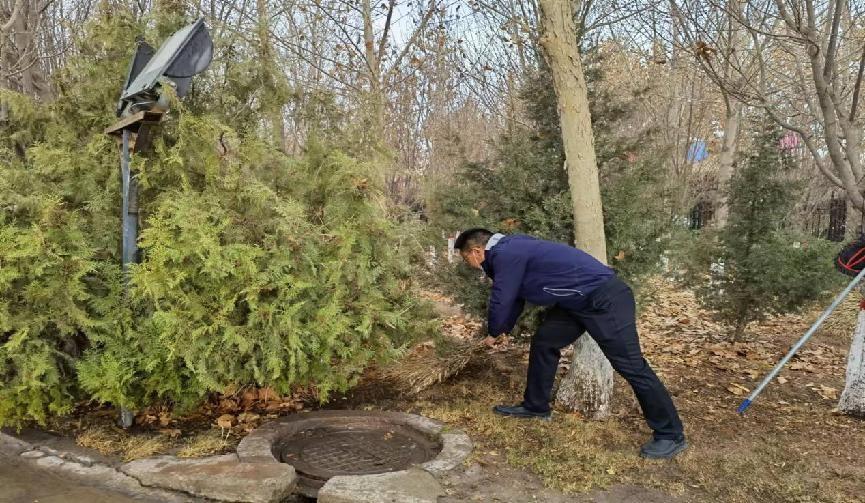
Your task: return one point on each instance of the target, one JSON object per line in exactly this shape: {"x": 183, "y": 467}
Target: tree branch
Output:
{"x": 832, "y": 46}
{"x": 414, "y": 36}
{"x": 16, "y": 13}
{"x": 383, "y": 42}
{"x": 857, "y": 86}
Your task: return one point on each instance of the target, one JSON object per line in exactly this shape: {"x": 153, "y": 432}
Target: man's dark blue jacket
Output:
{"x": 525, "y": 269}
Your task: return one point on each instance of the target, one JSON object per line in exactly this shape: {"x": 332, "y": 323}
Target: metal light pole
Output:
{"x": 129, "y": 249}
{"x": 142, "y": 104}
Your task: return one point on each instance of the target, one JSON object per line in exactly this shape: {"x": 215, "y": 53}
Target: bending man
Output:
{"x": 583, "y": 295}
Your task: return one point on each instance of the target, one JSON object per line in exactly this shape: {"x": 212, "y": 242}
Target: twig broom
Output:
{"x": 432, "y": 363}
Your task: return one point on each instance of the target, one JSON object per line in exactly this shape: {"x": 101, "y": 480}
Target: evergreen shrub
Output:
{"x": 255, "y": 268}
{"x": 759, "y": 264}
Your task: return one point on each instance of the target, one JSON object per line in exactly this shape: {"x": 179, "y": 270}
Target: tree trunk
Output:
{"x": 588, "y": 387}
{"x": 21, "y": 68}
{"x": 727, "y": 160}
{"x": 273, "y": 100}
{"x": 375, "y": 98}
{"x": 853, "y": 397}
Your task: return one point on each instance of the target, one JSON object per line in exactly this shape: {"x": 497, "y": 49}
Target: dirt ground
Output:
{"x": 792, "y": 446}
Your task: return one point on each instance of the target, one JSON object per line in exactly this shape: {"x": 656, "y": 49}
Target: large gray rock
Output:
{"x": 407, "y": 486}
{"x": 11, "y": 445}
{"x": 222, "y": 478}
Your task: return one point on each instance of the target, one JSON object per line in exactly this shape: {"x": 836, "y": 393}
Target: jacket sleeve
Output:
{"x": 505, "y": 305}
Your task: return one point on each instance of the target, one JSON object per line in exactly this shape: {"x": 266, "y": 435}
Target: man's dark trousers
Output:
{"x": 609, "y": 315}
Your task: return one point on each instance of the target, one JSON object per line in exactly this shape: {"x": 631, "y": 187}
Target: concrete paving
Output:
{"x": 21, "y": 483}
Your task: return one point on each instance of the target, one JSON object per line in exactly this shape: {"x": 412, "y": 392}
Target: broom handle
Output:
{"x": 753, "y": 396}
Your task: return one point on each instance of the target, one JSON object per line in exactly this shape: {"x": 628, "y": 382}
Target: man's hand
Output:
{"x": 496, "y": 342}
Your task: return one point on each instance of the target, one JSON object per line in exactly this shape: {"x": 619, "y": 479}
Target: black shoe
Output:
{"x": 663, "y": 448}
{"x": 521, "y": 412}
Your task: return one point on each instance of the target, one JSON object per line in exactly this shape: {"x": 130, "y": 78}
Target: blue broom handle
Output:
{"x": 753, "y": 396}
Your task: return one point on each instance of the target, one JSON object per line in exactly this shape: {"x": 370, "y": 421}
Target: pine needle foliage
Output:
{"x": 255, "y": 268}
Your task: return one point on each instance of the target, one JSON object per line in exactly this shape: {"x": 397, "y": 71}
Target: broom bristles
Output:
{"x": 422, "y": 369}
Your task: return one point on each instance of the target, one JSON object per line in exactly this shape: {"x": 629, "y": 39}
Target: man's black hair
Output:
{"x": 471, "y": 238}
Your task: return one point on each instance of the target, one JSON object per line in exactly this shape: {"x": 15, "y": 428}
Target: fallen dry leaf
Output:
{"x": 737, "y": 389}
{"x": 225, "y": 421}
{"x": 827, "y": 392}
{"x": 807, "y": 367}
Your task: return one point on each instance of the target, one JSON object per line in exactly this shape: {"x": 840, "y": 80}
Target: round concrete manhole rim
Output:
{"x": 446, "y": 448}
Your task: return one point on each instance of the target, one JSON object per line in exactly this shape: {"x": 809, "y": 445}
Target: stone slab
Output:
{"x": 68, "y": 455}
{"x": 222, "y": 478}
{"x": 257, "y": 448}
{"x": 11, "y": 445}
{"x": 456, "y": 447}
{"x": 407, "y": 486}
{"x": 99, "y": 475}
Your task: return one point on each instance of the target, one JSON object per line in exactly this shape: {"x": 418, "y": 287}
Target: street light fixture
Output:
{"x": 142, "y": 104}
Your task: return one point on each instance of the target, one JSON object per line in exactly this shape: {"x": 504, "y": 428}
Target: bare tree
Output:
{"x": 588, "y": 386}
{"x": 723, "y": 51}
{"x": 272, "y": 81}
{"x": 20, "y": 52}
{"x": 805, "y": 70}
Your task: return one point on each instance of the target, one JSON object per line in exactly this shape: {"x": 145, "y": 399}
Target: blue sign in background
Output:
{"x": 697, "y": 151}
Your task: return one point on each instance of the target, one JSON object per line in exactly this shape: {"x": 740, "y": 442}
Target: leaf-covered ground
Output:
{"x": 791, "y": 446}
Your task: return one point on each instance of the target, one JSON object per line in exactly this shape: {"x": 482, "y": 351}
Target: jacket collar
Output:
{"x": 494, "y": 240}
{"x": 486, "y": 265}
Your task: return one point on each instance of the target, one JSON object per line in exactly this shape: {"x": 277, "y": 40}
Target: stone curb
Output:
{"x": 376, "y": 488}
{"x": 173, "y": 480}
{"x": 13, "y": 446}
{"x": 84, "y": 469}
{"x": 456, "y": 445}
{"x": 405, "y": 486}
{"x": 221, "y": 478}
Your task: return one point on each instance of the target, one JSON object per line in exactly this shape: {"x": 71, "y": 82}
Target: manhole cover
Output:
{"x": 325, "y": 452}
{"x": 357, "y": 446}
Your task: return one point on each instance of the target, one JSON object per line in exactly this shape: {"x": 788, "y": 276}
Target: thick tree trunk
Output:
{"x": 853, "y": 397}
{"x": 21, "y": 68}
{"x": 727, "y": 159}
{"x": 588, "y": 386}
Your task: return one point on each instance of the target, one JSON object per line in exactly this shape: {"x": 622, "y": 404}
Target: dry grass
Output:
{"x": 103, "y": 439}
{"x": 764, "y": 472}
{"x": 575, "y": 456}
{"x": 206, "y": 443}
{"x": 568, "y": 453}
{"x": 112, "y": 441}
{"x": 141, "y": 446}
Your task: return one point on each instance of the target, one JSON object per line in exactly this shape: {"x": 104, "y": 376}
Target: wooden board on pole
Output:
{"x": 140, "y": 125}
